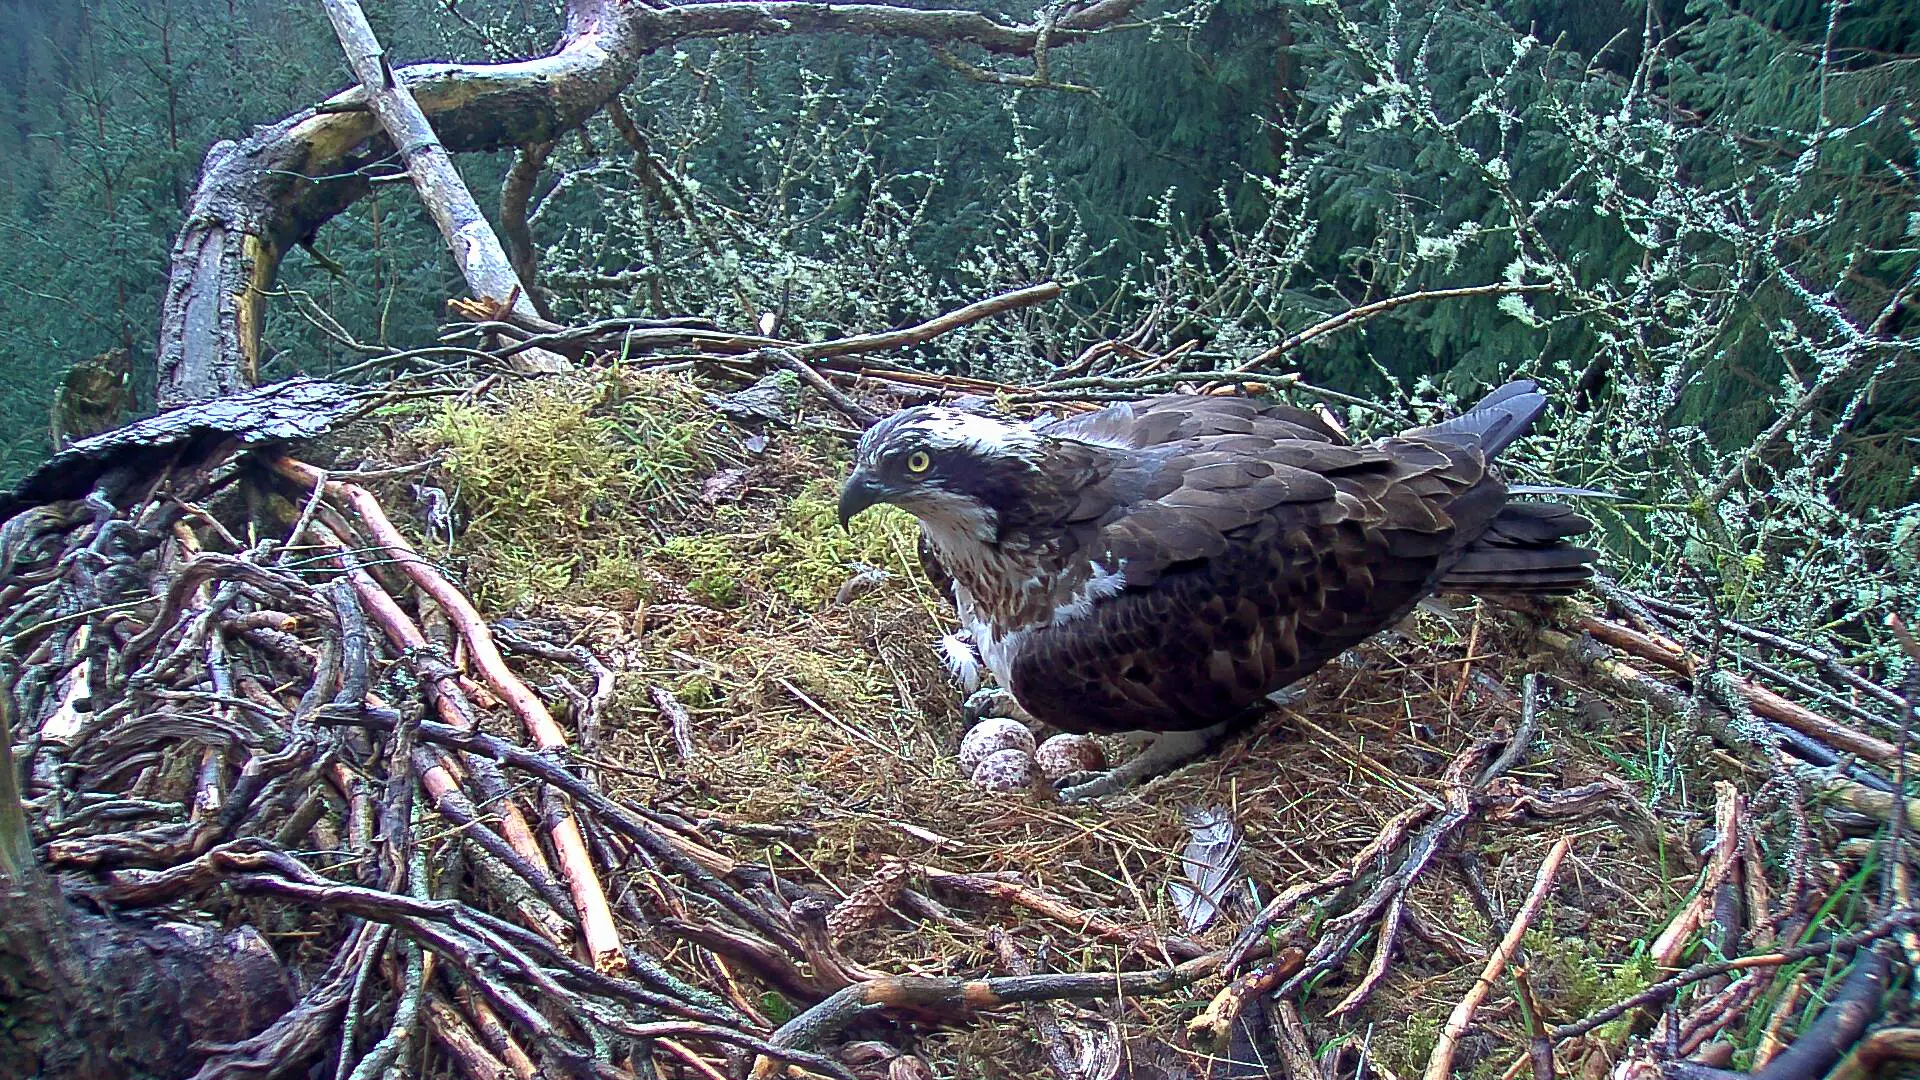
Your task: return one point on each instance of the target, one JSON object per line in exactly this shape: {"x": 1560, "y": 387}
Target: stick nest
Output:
{"x": 701, "y": 814}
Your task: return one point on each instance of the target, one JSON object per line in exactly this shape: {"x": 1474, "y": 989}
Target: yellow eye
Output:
{"x": 919, "y": 462}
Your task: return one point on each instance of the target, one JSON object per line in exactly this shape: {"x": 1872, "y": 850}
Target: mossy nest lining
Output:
{"x": 616, "y": 507}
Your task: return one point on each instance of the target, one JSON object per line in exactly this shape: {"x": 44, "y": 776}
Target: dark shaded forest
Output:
{"x": 1721, "y": 195}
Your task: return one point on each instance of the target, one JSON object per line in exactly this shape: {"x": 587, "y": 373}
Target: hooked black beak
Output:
{"x": 861, "y": 491}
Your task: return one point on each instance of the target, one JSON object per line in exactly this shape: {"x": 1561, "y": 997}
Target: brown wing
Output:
{"x": 1228, "y": 423}
{"x": 1245, "y": 571}
{"x": 1172, "y": 418}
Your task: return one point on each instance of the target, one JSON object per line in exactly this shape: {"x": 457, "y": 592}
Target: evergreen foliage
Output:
{"x": 1722, "y": 194}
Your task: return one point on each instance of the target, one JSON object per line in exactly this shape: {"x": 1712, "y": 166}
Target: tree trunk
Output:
{"x": 96, "y": 999}
{"x": 259, "y": 197}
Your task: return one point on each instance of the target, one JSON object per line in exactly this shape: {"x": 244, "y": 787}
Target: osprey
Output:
{"x": 1164, "y": 565}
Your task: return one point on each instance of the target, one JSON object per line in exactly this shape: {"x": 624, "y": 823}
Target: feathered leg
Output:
{"x": 1166, "y": 751}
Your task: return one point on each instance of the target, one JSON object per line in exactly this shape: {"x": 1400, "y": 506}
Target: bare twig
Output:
{"x": 1060, "y": 1057}
{"x": 852, "y": 409}
{"x": 1379, "y": 307}
{"x": 1054, "y": 908}
{"x": 1440, "y": 1064}
{"x": 576, "y": 866}
{"x": 679, "y": 724}
{"x": 932, "y": 328}
{"x": 1213, "y": 1026}
{"x": 1764, "y": 702}
{"x": 954, "y": 998}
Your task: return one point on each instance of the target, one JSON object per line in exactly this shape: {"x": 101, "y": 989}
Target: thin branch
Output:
{"x": 1762, "y": 701}
{"x": 932, "y": 328}
{"x": 1440, "y": 1064}
{"x": 1035, "y": 81}
{"x": 516, "y": 192}
{"x": 848, "y": 407}
{"x": 953, "y": 998}
{"x": 1897, "y": 819}
{"x": 1379, "y": 307}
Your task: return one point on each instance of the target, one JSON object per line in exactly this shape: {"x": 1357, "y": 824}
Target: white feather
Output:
{"x": 1211, "y": 863}
{"x": 997, "y": 650}
{"x": 957, "y": 527}
{"x": 1102, "y": 584}
{"x": 955, "y": 429}
{"x": 961, "y": 660}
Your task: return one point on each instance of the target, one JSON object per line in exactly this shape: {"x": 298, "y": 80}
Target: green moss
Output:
{"x": 582, "y": 489}
{"x": 562, "y": 484}
{"x": 695, "y": 691}
{"x": 1405, "y": 1047}
{"x": 816, "y": 552}
{"x": 1568, "y": 978}
{"x": 802, "y": 558}
{"x": 1571, "y": 981}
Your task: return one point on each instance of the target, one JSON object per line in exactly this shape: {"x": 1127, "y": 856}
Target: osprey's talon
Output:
{"x": 1087, "y": 786}
{"x": 990, "y": 701}
{"x": 1167, "y": 751}
{"x": 1287, "y": 696}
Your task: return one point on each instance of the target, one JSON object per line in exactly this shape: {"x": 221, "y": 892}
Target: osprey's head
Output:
{"x": 957, "y": 471}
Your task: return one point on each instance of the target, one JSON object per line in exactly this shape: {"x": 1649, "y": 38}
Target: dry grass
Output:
{"x": 839, "y": 718}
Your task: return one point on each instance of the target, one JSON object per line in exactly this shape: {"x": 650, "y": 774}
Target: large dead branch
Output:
{"x": 482, "y": 259}
{"x": 260, "y": 196}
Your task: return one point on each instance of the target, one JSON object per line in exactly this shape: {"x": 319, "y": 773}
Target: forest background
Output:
{"x": 1720, "y": 200}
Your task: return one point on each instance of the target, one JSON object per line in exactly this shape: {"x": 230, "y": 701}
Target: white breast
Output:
{"x": 996, "y": 649}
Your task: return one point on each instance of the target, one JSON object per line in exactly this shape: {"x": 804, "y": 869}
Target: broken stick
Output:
{"x": 1440, "y": 1065}
{"x": 482, "y": 259}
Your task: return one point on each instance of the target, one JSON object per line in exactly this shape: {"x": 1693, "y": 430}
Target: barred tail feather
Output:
{"x": 1525, "y": 550}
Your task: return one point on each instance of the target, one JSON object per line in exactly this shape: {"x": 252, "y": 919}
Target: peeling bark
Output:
{"x": 86, "y": 997}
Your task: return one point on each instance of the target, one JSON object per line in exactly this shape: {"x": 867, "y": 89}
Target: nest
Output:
{"x": 677, "y": 797}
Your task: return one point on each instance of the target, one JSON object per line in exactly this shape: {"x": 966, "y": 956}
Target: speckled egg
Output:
{"x": 1064, "y": 755}
{"x": 1005, "y": 770}
{"x": 990, "y": 736}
